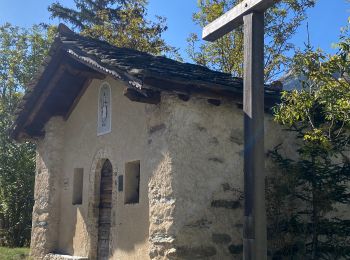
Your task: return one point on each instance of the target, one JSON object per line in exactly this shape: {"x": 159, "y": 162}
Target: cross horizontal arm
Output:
{"x": 233, "y": 18}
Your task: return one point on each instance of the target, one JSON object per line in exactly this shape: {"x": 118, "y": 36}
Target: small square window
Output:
{"x": 78, "y": 180}
{"x": 120, "y": 183}
{"x": 132, "y": 182}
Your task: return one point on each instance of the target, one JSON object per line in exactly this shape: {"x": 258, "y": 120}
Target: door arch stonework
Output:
{"x": 94, "y": 199}
{"x": 105, "y": 211}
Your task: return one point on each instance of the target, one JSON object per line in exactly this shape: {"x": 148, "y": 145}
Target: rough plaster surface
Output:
{"x": 47, "y": 190}
{"x": 191, "y": 185}
{"x": 196, "y": 192}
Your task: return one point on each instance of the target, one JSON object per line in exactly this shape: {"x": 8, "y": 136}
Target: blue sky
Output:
{"x": 324, "y": 20}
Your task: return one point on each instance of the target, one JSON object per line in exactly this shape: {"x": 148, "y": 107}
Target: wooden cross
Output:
{"x": 251, "y": 14}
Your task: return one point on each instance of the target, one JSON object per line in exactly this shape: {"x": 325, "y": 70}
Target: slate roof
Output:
{"x": 140, "y": 71}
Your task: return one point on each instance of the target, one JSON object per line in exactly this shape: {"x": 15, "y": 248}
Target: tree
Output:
{"x": 122, "y": 23}
{"x": 226, "y": 54}
{"x": 314, "y": 188}
{"x": 21, "y": 53}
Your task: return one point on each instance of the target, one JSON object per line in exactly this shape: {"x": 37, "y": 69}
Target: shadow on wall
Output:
{"x": 68, "y": 243}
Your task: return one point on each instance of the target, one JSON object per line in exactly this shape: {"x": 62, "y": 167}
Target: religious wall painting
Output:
{"x": 104, "y": 110}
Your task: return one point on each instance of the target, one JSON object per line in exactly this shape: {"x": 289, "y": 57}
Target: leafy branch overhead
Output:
{"x": 226, "y": 54}
{"x": 313, "y": 190}
{"x": 21, "y": 54}
{"x": 320, "y": 111}
{"x": 122, "y": 23}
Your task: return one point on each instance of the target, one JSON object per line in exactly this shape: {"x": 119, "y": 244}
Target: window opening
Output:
{"x": 132, "y": 182}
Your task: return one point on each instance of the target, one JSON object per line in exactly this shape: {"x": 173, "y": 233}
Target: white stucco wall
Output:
{"x": 84, "y": 149}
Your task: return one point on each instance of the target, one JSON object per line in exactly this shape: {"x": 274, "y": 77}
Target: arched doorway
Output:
{"x": 105, "y": 207}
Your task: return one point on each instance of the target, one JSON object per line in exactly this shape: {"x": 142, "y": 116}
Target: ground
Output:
{"x": 13, "y": 253}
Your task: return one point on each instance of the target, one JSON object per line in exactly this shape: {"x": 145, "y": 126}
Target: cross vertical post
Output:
{"x": 254, "y": 230}
{"x": 250, "y": 13}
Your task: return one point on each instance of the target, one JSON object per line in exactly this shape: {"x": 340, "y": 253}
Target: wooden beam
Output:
{"x": 214, "y": 102}
{"x": 77, "y": 99}
{"x": 142, "y": 96}
{"x": 86, "y": 73}
{"x": 36, "y": 89}
{"x": 254, "y": 231}
{"x": 184, "y": 97}
{"x": 47, "y": 91}
{"x": 234, "y": 18}
{"x": 210, "y": 91}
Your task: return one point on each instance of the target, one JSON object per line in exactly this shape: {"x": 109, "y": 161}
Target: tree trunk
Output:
{"x": 315, "y": 217}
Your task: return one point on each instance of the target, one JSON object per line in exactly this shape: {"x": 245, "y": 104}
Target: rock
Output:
{"x": 221, "y": 238}
{"x": 195, "y": 252}
{"x": 159, "y": 238}
{"x": 227, "y": 204}
{"x": 156, "y": 128}
{"x": 226, "y": 187}
{"x": 236, "y": 249}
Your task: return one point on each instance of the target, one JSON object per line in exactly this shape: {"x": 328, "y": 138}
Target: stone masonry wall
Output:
{"x": 160, "y": 186}
{"x": 196, "y": 192}
{"x": 191, "y": 157}
{"x": 47, "y": 192}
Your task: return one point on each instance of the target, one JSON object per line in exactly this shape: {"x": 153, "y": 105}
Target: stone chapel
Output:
{"x": 138, "y": 156}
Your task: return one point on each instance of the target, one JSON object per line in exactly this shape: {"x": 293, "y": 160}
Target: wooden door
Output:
{"x": 105, "y": 207}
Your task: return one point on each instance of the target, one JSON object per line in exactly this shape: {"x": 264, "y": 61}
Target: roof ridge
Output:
{"x": 64, "y": 29}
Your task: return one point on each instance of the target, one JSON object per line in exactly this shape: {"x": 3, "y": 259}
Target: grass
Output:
{"x": 14, "y": 253}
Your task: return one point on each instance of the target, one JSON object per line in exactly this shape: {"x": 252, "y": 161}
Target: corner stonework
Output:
{"x": 47, "y": 189}
{"x": 195, "y": 190}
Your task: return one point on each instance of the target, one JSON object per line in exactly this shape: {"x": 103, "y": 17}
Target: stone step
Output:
{"x": 64, "y": 257}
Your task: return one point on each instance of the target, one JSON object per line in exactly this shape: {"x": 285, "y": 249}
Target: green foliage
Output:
{"x": 14, "y": 253}
{"x": 226, "y": 54}
{"x": 21, "y": 53}
{"x": 122, "y": 23}
{"x": 309, "y": 203}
